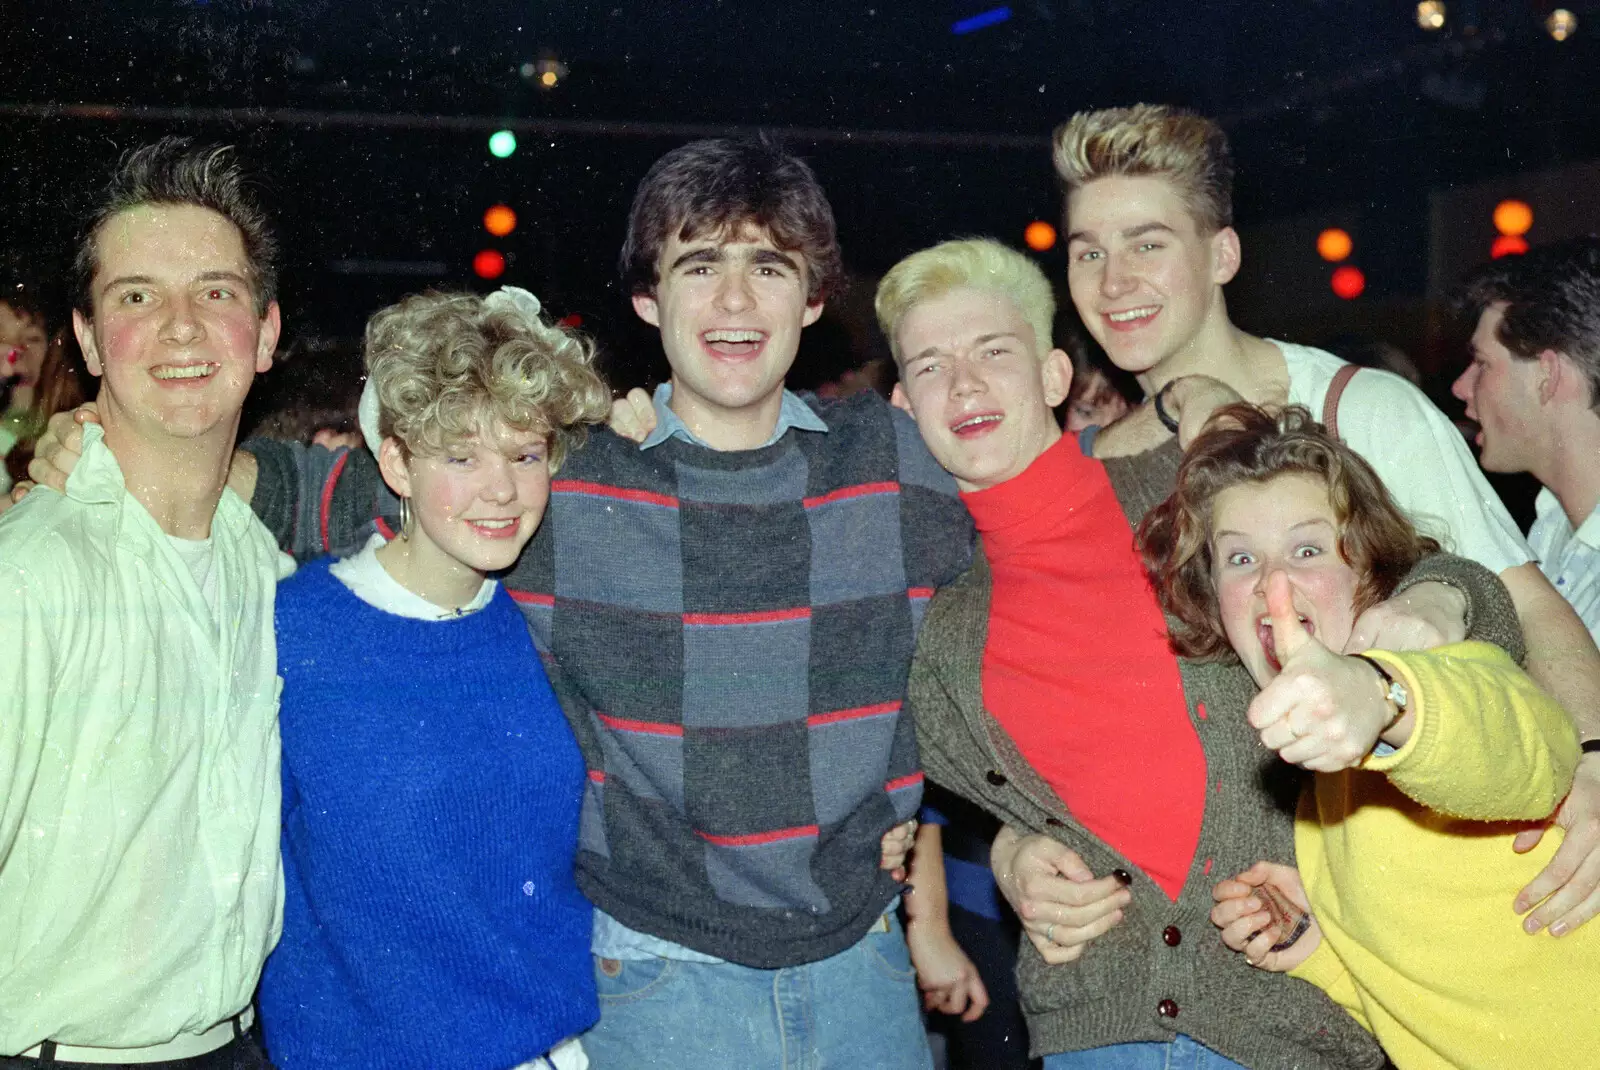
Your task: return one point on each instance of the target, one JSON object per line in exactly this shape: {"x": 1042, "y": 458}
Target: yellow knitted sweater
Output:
{"x": 1409, "y": 868}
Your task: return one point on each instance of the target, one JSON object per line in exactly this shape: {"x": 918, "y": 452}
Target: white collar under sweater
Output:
{"x": 369, "y": 581}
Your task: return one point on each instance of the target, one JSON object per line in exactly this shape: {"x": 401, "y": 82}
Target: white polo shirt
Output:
{"x": 1569, "y": 559}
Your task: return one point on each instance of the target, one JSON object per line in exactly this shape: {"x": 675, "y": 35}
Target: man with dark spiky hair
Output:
{"x": 140, "y": 889}
{"x": 1534, "y": 388}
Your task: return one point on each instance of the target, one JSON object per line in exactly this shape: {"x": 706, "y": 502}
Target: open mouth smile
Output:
{"x": 977, "y": 424}
{"x": 734, "y": 342}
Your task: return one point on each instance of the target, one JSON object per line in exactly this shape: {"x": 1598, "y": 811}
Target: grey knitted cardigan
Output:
{"x": 1164, "y": 969}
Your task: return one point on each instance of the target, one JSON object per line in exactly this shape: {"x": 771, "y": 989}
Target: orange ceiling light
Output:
{"x": 1039, "y": 235}
{"x": 1513, "y": 217}
{"x": 1334, "y": 244}
{"x": 500, "y": 220}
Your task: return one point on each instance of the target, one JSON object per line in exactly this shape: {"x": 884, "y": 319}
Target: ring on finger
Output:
{"x": 1049, "y": 933}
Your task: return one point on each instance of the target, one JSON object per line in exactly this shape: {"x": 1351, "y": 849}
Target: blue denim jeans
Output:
{"x": 1182, "y": 1053}
{"x": 857, "y": 1009}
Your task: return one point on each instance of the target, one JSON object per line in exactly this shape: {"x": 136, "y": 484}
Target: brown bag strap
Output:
{"x": 1330, "y": 403}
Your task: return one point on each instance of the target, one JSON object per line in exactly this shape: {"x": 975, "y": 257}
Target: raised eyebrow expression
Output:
{"x": 1298, "y": 530}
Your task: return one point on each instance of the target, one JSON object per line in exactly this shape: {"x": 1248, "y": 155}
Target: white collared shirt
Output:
{"x": 1569, "y": 559}
{"x": 140, "y": 889}
{"x": 369, "y": 581}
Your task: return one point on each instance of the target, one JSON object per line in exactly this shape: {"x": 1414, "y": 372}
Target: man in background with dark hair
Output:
{"x": 140, "y": 889}
{"x": 1533, "y": 387}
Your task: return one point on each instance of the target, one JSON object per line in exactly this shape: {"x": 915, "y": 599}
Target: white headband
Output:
{"x": 509, "y": 299}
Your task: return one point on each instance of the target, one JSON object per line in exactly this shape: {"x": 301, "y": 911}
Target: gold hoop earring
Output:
{"x": 405, "y": 518}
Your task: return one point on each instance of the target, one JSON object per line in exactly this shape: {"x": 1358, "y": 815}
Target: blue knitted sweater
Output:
{"x": 430, "y": 816}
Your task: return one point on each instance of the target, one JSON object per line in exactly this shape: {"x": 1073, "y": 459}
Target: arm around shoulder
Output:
{"x": 313, "y": 500}
{"x": 1490, "y": 615}
{"x": 1488, "y": 745}
{"x": 1561, "y": 652}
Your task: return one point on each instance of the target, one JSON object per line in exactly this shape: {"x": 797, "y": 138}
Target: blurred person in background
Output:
{"x": 40, "y": 375}
{"x": 1533, "y": 386}
{"x": 1374, "y": 353}
{"x": 312, "y": 395}
{"x": 1101, "y": 393}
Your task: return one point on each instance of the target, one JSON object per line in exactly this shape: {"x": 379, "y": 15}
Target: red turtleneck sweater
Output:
{"x": 1077, "y": 667}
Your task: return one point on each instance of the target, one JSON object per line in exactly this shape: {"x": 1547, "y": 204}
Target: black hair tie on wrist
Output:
{"x": 1161, "y": 409}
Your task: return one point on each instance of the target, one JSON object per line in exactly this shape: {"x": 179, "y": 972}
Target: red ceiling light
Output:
{"x": 1348, "y": 282}
{"x": 1508, "y": 245}
{"x": 489, "y": 264}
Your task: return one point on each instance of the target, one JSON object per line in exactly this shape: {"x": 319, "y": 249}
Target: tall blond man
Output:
{"x": 1151, "y": 245}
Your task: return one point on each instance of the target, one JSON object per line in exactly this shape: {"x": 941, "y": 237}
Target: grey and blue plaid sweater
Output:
{"x": 733, "y": 633}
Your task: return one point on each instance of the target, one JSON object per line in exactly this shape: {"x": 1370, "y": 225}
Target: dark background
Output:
{"x": 369, "y": 123}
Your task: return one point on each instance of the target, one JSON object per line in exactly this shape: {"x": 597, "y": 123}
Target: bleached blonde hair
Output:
{"x": 447, "y": 365}
{"x": 1186, "y": 149}
{"x": 981, "y": 263}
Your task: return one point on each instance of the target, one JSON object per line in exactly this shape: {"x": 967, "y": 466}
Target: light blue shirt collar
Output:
{"x": 793, "y": 413}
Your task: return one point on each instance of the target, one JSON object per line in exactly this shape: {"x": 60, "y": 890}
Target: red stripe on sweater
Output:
{"x": 597, "y": 775}
{"x": 532, "y": 598}
{"x": 857, "y": 491}
{"x": 903, "y": 782}
{"x": 327, "y": 495}
{"x": 835, "y": 716}
{"x": 922, "y": 593}
{"x": 652, "y": 728}
{"x": 755, "y": 839}
{"x": 383, "y": 528}
{"x": 600, "y": 490}
{"x": 770, "y": 616}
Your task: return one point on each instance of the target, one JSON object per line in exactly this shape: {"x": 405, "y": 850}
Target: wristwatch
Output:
{"x": 1395, "y": 692}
